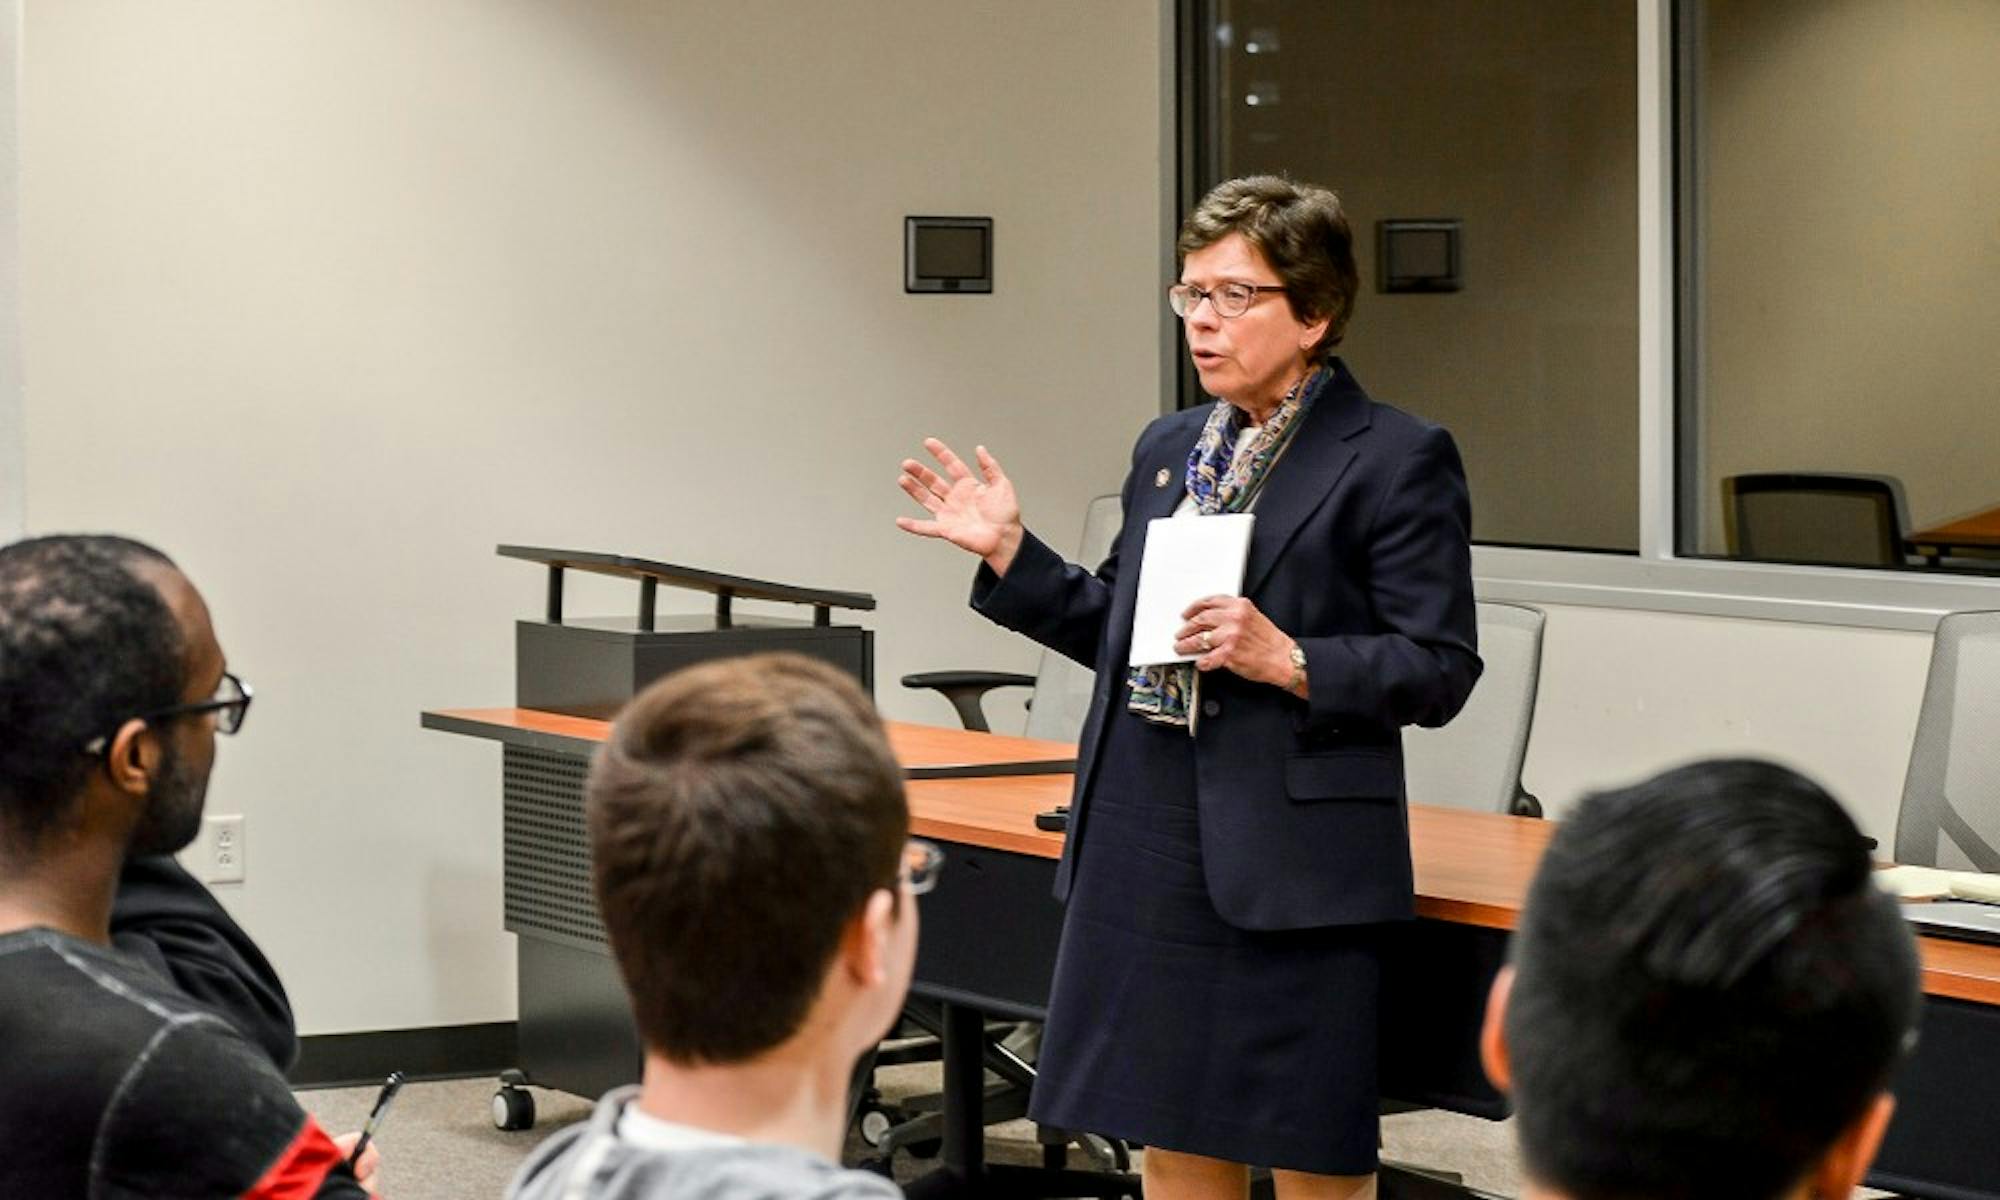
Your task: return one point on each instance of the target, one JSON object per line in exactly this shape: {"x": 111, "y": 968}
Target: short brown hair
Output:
{"x": 1300, "y": 230}
{"x": 740, "y": 815}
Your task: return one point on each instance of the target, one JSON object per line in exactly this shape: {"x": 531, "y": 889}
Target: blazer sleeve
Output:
{"x": 1421, "y": 667}
{"x": 1055, "y": 602}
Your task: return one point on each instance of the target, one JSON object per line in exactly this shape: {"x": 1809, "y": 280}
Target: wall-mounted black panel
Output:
{"x": 951, "y": 255}
{"x": 1419, "y": 255}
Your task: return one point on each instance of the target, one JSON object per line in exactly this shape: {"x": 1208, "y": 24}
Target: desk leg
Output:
{"x": 961, "y": 1170}
{"x": 963, "y": 1050}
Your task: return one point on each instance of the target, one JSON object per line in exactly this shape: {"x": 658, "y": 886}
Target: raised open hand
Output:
{"x": 973, "y": 512}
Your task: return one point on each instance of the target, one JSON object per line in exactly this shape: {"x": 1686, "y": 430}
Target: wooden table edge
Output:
{"x": 1945, "y": 980}
{"x": 541, "y": 730}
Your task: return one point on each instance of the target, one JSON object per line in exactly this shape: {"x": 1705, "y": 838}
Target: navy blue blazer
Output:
{"x": 1361, "y": 552}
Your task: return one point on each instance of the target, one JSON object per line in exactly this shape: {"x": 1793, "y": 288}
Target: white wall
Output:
{"x": 329, "y": 299}
{"x": 1626, "y": 693}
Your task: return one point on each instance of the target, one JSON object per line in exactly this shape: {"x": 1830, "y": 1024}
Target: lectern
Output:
{"x": 591, "y": 667}
{"x": 575, "y": 1027}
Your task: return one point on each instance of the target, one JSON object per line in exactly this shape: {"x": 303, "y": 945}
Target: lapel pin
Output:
{"x": 1160, "y": 480}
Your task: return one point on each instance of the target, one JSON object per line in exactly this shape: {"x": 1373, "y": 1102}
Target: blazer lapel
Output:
{"x": 1311, "y": 466}
{"x": 1164, "y": 488}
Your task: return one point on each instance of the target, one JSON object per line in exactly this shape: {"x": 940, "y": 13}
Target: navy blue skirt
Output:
{"x": 1170, "y": 1027}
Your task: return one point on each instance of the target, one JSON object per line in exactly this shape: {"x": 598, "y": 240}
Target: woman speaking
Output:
{"x": 1238, "y": 838}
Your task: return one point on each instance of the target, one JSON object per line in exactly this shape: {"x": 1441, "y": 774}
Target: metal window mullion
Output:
{"x": 1659, "y": 349}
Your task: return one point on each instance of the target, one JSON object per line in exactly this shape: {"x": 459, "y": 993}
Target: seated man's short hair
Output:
{"x": 85, "y": 643}
{"x": 1708, "y": 988}
{"x": 740, "y": 815}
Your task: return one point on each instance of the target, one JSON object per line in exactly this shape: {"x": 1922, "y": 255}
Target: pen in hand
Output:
{"x": 390, "y": 1087}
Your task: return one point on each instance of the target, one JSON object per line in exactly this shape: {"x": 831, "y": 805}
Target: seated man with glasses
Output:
{"x": 748, "y": 832}
{"x": 114, "y": 1082}
{"x": 1707, "y": 997}
{"x": 164, "y": 917}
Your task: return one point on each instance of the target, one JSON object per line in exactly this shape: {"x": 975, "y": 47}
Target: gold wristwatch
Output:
{"x": 1298, "y": 678}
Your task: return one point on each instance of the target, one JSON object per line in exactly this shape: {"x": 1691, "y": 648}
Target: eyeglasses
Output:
{"x": 922, "y": 861}
{"x": 230, "y": 704}
{"x": 1230, "y": 299}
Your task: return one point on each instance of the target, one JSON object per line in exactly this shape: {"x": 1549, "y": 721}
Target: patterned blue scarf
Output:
{"x": 1219, "y": 481}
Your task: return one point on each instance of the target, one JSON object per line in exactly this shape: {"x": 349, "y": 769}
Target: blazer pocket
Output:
{"x": 1344, "y": 775}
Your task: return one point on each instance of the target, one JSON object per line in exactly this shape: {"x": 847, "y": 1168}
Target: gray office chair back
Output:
{"x": 1475, "y": 760}
{"x": 1951, "y": 797}
{"x": 1822, "y": 518}
{"x": 1062, "y": 688}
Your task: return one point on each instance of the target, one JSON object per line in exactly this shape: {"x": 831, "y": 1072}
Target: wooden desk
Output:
{"x": 926, "y": 751}
{"x": 992, "y": 926}
{"x": 1974, "y": 531}
{"x": 1472, "y": 874}
{"x": 1472, "y": 868}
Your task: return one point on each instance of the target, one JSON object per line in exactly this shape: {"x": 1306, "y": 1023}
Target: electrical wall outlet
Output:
{"x": 218, "y": 853}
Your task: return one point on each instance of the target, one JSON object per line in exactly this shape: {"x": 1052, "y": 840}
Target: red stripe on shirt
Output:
{"x": 301, "y": 1169}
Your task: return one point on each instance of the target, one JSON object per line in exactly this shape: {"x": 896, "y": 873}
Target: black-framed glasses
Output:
{"x": 230, "y": 704}
{"x": 1229, "y": 299}
{"x": 922, "y": 861}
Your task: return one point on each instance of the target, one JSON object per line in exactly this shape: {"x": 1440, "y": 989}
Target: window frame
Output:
{"x": 1657, "y": 578}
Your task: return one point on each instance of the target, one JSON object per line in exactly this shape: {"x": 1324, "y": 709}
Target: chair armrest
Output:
{"x": 965, "y": 688}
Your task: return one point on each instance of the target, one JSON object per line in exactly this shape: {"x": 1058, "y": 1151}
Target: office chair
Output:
{"x": 1820, "y": 518}
{"x": 1475, "y": 761}
{"x": 1950, "y": 816}
{"x": 1061, "y": 693}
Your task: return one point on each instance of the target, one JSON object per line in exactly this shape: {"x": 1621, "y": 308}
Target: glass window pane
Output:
{"x": 1516, "y": 118}
{"x": 1844, "y": 319}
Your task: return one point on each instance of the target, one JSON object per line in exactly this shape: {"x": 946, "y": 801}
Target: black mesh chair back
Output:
{"x": 1818, "y": 518}
{"x": 1951, "y": 797}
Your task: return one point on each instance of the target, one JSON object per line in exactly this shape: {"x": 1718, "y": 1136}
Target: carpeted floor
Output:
{"x": 439, "y": 1142}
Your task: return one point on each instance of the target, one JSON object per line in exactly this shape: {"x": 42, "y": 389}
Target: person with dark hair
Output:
{"x": 161, "y": 916}
{"x": 1238, "y": 845}
{"x": 112, "y": 689}
{"x": 750, "y": 850}
{"x": 1706, "y": 997}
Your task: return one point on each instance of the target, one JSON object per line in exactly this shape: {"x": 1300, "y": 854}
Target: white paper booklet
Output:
{"x": 1926, "y": 883}
{"x": 1186, "y": 558}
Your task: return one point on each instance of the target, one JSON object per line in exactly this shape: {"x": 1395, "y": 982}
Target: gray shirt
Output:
{"x": 592, "y": 1161}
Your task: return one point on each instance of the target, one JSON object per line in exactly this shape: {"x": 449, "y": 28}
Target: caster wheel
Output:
{"x": 513, "y": 1109}
{"x": 874, "y": 1126}
{"x": 1107, "y": 1154}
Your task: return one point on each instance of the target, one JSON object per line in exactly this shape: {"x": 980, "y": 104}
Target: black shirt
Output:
{"x": 167, "y": 920}
{"x": 114, "y": 1085}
